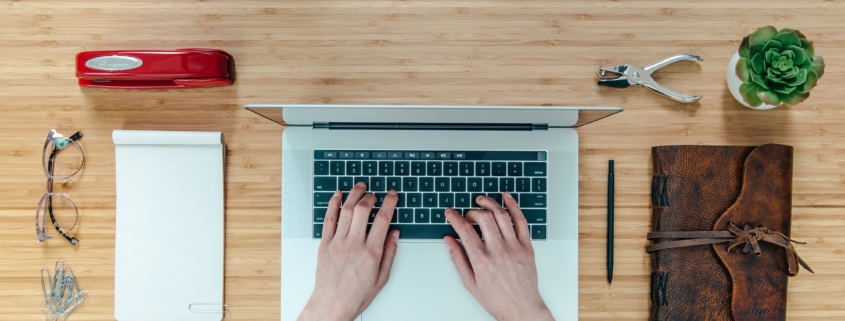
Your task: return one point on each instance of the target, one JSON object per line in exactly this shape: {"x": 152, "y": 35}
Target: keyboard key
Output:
{"x": 394, "y": 183}
{"x": 430, "y": 200}
{"x": 444, "y": 155}
{"x": 337, "y": 168}
{"x": 499, "y": 169}
{"x": 438, "y": 215}
{"x": 362, "y": 154}
{"x": 400, "y": 199}
{"x": 322, "y": 199}
{"x": 343, "y": 199}
{"x": 450, "y": 168}
{"x": 459, "y": 184}
{"x": 402, "y": 168}
{"x": 467, "y": 169}
{"x": 482, "y": 168}
{"x": 325, "y": 184}
{"x": 491, "y": 184}
{"x": 446, "y": 200}
{"x": 394, "y": 155}
{"x": 506, "y": 185}
{"x": 377, "y": 184}
{"x": 426, "y": 184}
{"x": 434, "y": 168}
{"x": 366, "y": 180}
{"x": 535, "y": 216}
{"x": 413, "y": 199}
{"x": 353, "y": 168}
{"x": 370, "y": 168}
{"x": 441, "y": 184}
{"x": 318, "y": 231}
{"x": 460, "y": 155}
{"x": 532, "y": 200}
{"x": 418, "y": 168}
{"x": 321, "y": 168}
{"x": 379, "y": 154}
{"x": 379, "y": 199}
{"x": 473, "y": 197}
{"x": 427, "y": 155}
{"x": 523, "y": 184}
{"x": 345, "y": 183}
{"x": 514, "y": 169}
{"x": 427, "y": 231}
{"x": 538, "y": 185}
{"x": 462, "y": 200}
{"x": 412, "y": 155}
{"x": 421, "y": 215}
{"x": 406, "y": 215}
{"x": 538, "y": 232}
{"x": 329, "y": 154}
{"x": 409, "y": 184}
{"x": 385, "y": 168}
{"x": 346, "y": 154}
{"x": 372, "y": 217}
{"x": 475, "y": 184}
{"x": 496, "y": 197}
{"x": 320, "y": 214}
{"x": 535, "y": 169}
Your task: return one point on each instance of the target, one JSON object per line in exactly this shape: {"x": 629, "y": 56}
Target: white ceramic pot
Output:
{"x": 734, "y": 82}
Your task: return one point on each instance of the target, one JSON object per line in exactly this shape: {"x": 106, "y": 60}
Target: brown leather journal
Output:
{"x": 721, "y": 219}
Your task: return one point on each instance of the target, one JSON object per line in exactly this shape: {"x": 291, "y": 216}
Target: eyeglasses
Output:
{"x": 58, "y": 206}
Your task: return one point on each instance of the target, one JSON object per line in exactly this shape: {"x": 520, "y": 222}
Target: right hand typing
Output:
{"x": 498, "y": 271}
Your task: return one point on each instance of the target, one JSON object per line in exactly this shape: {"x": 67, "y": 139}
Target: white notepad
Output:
{"x": 169, "y": 225}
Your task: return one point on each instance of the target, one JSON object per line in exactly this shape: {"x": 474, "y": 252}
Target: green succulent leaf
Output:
{"x": 743, "y": 71}
{"x": 772, "y": 44}
{"x": 748, "y": 91}
{"x": 800, "y": 78}
{"x": 769, "y": 97}
{"x": 783, "y": 90}
{"x": 808, "y": 47}
{"x": 794, "y": 98}
{"x": 760, "y": 36}
{"x": 757, "y": 64}
{"x": 770, "y": 56}
{"x": 744, "y": 48}
{"x": 759, "y": 80}
{"x": 818, "y": 65}
{"x": 812, "y": 78}
{"x": 800, "y": 57}
{"x": 788, "y": 38}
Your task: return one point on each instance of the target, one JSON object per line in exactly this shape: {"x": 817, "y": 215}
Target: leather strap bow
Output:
{"x": 736, "y": 237}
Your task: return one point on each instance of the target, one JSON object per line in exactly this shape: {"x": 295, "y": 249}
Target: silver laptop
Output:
{"x": 435, "y": 157}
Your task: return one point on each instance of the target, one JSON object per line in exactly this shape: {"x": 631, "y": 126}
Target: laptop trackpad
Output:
{"x": 424, "y": 285}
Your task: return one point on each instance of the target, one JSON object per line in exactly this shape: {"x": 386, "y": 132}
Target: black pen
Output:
{"x": 610, "y": 222}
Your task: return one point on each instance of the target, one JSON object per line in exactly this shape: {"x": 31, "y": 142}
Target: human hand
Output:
{"x": 498, "y": 271}
{"x": 352, "y": 266}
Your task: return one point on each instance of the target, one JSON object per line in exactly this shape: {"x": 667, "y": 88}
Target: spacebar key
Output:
{"x": 427, "y": 231}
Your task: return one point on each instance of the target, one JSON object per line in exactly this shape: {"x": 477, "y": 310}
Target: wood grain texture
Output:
{"x": 408, "y": 52}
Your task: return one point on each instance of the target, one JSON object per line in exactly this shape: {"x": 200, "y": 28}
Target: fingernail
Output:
{"x": 336, "y": 192}
{"x": 395, "y": 236}
{"x": 392, "y": 192}
{"x": 362, "y": 184}
{"x": 508, "y": 194}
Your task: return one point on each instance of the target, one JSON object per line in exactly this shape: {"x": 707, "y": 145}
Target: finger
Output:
{"x": 503, "y": 219}
{"x": 382, "y": 221}
{"x": 387, "y": 257}
{"x": 519, "y": 221}
{"x": 487, "y": 224}
{"x": 330, "y": 221}
{"x": 360, "y": 216}
{"x": 465, "y": 231}
{"x": 459, "y": 257}
{"x": 345, "y": 219}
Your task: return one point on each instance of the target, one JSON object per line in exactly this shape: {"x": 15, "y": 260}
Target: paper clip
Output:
{"x": 64, "y": 294}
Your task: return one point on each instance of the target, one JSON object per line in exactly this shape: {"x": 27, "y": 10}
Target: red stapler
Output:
{"x": 155, "y": 69}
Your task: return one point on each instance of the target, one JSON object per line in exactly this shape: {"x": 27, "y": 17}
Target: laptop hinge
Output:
{"x": 428, "y": 126}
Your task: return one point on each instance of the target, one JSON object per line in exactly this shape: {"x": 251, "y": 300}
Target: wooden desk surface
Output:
{"x": 415, "y": 52}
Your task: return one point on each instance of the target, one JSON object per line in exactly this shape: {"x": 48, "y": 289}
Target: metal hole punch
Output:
{"x": 624, "y": 76}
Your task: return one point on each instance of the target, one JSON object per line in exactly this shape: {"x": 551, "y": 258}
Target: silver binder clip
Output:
{"x": 624, "y": 76}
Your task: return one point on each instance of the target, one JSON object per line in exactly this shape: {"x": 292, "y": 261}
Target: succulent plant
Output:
{"x": 777, "y": 67}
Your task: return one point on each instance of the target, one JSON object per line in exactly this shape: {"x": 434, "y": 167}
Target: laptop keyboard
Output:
{"x": 430, "y": 181}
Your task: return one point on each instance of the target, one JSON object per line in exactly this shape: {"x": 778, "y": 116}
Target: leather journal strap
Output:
{"x": 735, "y": 236}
